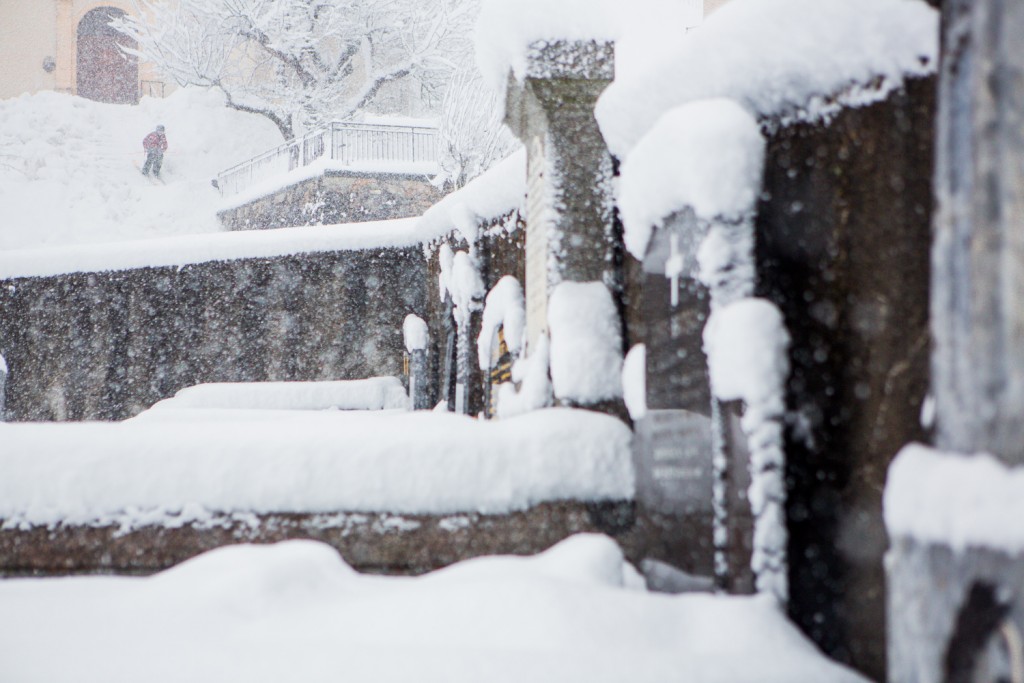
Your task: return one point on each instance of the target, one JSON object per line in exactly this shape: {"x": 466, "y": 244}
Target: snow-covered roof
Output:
{"x": 955, "y": 499}
{"x": 776, "y": 58}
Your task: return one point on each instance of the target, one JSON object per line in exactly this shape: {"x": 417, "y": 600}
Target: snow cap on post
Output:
{"x": 504, "y": 308}
{"x": 707, "y": 156}
{"x": 586, "y": 343}
{"x": 509, "y": 33}
{"x": 415, "y": 333}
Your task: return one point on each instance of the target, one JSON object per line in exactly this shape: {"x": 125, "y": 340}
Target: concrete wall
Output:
{"x": 336, "y": 197}
{"x": 842, "y": 247}
{"x": 105, "y": 346}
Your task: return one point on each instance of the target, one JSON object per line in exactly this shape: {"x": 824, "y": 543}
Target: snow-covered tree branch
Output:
{"x": 299, "y": 62}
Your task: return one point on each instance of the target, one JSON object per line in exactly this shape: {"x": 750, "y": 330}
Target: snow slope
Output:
{"x": 296, "y": 612}
{"x": 68, "y": 166}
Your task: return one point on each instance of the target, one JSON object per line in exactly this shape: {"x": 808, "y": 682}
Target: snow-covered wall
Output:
{"x": 105, "y": 345}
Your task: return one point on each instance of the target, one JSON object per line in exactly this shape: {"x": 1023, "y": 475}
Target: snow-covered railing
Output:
{"x": 378, "y": 146}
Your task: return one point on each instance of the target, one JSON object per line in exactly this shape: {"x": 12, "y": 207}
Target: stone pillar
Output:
{"x": 978, "y": 253}
{"x": 569, "y": 207}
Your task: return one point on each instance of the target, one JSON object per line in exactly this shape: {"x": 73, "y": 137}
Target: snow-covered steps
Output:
{"x": 392, "y": 490}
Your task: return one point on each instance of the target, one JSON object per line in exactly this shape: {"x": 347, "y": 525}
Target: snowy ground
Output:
{"x": 296, "y": 612}
{"x": 68, "y": 166}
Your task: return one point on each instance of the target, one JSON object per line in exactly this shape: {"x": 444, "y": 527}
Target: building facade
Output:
{"x": 68, "y": 46}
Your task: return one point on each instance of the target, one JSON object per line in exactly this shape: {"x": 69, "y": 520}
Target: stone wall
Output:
{"x": 336, "y": 197}
{"x": 105, "y": 346}
{"x": 842, "y": 248}
{"x": 370, "y": 542}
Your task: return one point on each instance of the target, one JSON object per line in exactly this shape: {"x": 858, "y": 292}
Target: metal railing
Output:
{"x": 376, "y": 147}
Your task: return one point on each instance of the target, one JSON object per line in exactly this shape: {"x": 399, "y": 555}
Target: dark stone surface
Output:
{"x": 105, "y": 346}
{"x": 842, "y": 240}
{"x": 336, "y": 197}
{"x": 380, "y": 543}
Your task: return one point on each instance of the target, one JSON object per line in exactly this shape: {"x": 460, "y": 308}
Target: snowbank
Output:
{"x": 777, "y": 58}
{"x": 296, "y": 612}
{"x": 586, "y": 342}
{"x": 69, "y": 166}
{"x": 955, "y": 499}
{"x": 706, "y": 156}
{"x": 173, "y": 471}
{"x": 377, "y": 393}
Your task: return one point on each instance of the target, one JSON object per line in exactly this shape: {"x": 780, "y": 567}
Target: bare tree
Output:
{"x": 473, "y": 134}
{"x": 298, "y": 62}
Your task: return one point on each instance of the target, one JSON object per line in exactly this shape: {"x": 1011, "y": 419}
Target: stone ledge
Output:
{"x": 376, "y": 543}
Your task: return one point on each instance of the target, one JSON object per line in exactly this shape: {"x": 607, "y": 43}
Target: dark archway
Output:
{"x": 105, "y": 73}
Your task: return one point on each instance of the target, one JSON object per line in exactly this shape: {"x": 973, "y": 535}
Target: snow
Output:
{"x": 746, "y": 343}
{"x": 586, "y": 342}
{"x": 194, "y": 465}
{"x": 497, "y": 192}
{"x": 776, "y": 58}
{"x": 504, "y": 308}
{"x": 706, "y": 155}
{"x": 954, "y": 499}
{"x": 634, "y": 381}
{"x": 193, "y": 249}
{"x": 295, "y": 611}
{"x": 377, "y": 393}
{"x": 415, "y": 333}
{"x": 531, "y": 373}
{"x": 507, "y": 28}
{"x": 465, "y": 287}
{"x": 67, "y": 173}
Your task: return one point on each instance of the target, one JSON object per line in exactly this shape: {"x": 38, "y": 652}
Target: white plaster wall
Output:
{"x": 28, "y": 30}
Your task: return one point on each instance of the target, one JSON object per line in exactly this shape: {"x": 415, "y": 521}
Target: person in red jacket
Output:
{"x": 155, "y": 145}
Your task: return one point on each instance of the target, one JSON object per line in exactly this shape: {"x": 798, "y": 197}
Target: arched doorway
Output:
{"x": 106, "y": 74}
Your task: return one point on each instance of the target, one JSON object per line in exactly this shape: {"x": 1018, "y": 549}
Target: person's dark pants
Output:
{"x": 154, "y": 159}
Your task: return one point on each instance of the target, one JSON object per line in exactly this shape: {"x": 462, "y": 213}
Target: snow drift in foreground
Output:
{"x": 296, "y": 612}
{"x": 68, "y": 166}
{"x": 192, "y": 465}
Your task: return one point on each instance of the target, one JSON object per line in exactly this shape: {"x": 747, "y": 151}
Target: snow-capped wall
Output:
{"x": 174, "y": 472}
{"x": 802, "y": 59}
{"x": 106, "y": 345}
